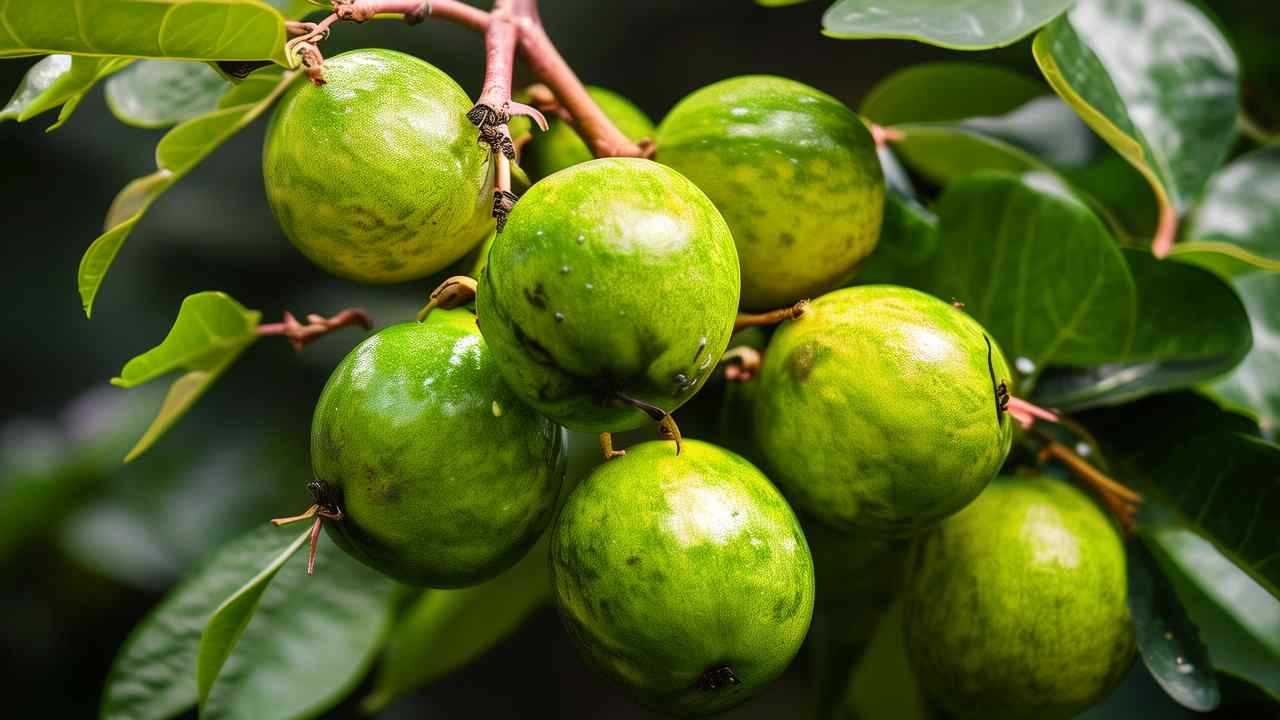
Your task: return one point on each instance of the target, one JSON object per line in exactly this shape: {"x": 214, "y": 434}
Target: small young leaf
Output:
{"x": 1252, "y": 384}
{"x": 58, "y": 80}
{"x": 179, "y": 151}
{"x": 1236, "y": 227}
{"x": 232, "y": 617}
{"x": 160, "y": 93}
{"x": 1156, "y": 80}
{"x": 1168, "y": 641}
{"x": 955, "y": 24}
{"x": 446, "y": 629}
{"x": 163, "y": 29}
{"x": 209, "y": 334}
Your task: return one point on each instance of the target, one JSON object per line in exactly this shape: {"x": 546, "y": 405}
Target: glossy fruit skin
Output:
{"x": 1016, "y": 606}
{"x": 560, "y": 147}
{"x": 377, "y": 176}
{"x": 877, "y": 412}
{"x": 795, "y": 173}
{"x": 667, "y": 566}
{"x": 444, "y": 476}
{"x": 613, "y": 276}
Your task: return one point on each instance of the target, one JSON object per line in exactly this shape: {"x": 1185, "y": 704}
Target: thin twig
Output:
{"x": 773, "y": 317}
{"x": 300, "y": 335}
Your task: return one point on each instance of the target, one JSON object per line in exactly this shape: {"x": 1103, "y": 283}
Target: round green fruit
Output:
{"x": 877, "y": 410}
{"x": 795, "y": 173}
{"x": 376, "y": 175}
{"x": 685, "y": 578}
{"x": 615, "y": 280}
{"x": 559, "y": 147}
{"x": 443, "y": 476}
{"x": 1015, "y": 607}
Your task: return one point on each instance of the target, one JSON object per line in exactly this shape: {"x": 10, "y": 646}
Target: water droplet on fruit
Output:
{"x": 589, "y": 286}
{"x": 1083, "y": 450}
{"x": 497, "y": 409}
{"x": 559, "y": 317}
{"x": 581, "y": 239}
{"x": 738, "y": 111}
{"x": 564, "y": 269}
{"x": 1024, "y": 365}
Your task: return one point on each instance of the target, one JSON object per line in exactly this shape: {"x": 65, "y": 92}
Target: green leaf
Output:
{"x": 948, "y": 91}
{"x": 1167, "y": 639}
{"x": 446, "y": 629}
{"x": 58, "y": 80}
{"x": 162, "y": 29}
{"x": 1193, "y": 327}
{"x": 1236, "y": 227}
{"x": 154, "y": 674}
{"x": 1206, "y": 467}
{"x": 179, "y": 151}
{"x": 231, "y": 619}
{"x": 1036, "y": 268}
{"x": 1238, "y": 619}
{"x": 908, "y": 243}
{"x": 883, "y": 686}
{"x": 160, "y": 93}
{"x": 209, "y": 334}
{"x": 955, "y": 24}
{"x": 1157, "y": 81}
{"x": 1253, "y": 383}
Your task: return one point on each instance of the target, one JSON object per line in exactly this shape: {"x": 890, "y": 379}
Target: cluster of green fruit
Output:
{"x": 608, "y": 301}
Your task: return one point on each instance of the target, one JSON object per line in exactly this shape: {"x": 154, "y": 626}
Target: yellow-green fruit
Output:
{"x": 559, "y": 147}
{"x": 793, "y": 171}
{"x": 376, "y": 175}
{"x": 1015, "y": 608}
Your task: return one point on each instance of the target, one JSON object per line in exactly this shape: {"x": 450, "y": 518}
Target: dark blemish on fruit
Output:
{"x": 536, "y": 298}
{"x": 801, "y": 362}
{"x": 537, "y": 352}
{"x": 715, "y": 678}
{"x": 787, "y": 239}
{"x": 633, "y": 560}
{"x": 1000, "y": 389}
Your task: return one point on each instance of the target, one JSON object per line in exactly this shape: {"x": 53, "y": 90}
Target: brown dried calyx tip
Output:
{"x": 324, "y": 508}
{"x": 718, "y": 677}
{"x": 453, "y": 292}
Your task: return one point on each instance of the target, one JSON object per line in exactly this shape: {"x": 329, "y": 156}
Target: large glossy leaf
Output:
{"x": 173, "y": 29}
{"x": 210, "y": 332}
{"x": 1236, "y": 227}
{"x": 1192, "y": 327}
{"x": 1238, "y": 619}
{"x": 1254, "y": 384}
{"x": 1154, "y": 78}
{"x": 179, "y": 151}
{"x": 948, "y": 91}
{"x": 908, "y": 243}
{"x": 446, "y": 629}
{"x": 956, "y": 24}
{"x": 58, "y": 80}
{"x": 1036, "y": 268}
{"x": 1167, "y": 639}
{"x": 1206, "y": 467}
{"x": 160, "y": 93}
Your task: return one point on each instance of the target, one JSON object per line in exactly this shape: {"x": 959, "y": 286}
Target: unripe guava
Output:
{"x": 685, "y": 578}
{"x": 1015, "y": 607}
{"x": 878, "y": 410}
{"x": 795, "y": 173}
{"x": 559, "y": 147}
{"x": 613, "y": 278}
{"x": 443, "y": 476}
{"x": 377, "y": 175}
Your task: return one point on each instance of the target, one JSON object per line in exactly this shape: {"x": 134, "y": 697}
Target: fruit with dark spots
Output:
{"x": 1015, "y": 607}
{"x": 795, "y": 173}
{"x": 376, "y": 176}
{"x": 877, "y": 412}
{"x": 650, "y": 294}
{"x": 444, "y": 477}
{"x": 560, "y": 147}
{"x": 703, "y": 619}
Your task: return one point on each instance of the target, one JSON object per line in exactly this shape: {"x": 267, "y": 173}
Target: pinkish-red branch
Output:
{"x": 299, "y": 335}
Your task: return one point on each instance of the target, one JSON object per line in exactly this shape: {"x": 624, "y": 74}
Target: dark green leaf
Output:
{"x": 445, "y": 630}
{"x": 58, "y": 80}
{"x": 947, "y": 92}
{"x": 908, "y": 243}
{"x": 162, "y": 29}
{"x": 160, "y": 93}
{"x": 1236, "y": 227}
{"x": 956, "y": 24}
{"x": 1157, "y": 81}
{"x": 1254, "y": 384}
{"x": 1168, "y": 641}
{"x": 1193, "y": 327}
{"x": 883, "y": 686}
{"x": 210, "y": 332}
{"x": 179, "y": 151}
{"x": 1036, "y": 268}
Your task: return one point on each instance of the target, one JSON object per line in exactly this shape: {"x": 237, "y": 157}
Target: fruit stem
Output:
{"x": 300, "y": 335}
{"x": 493, "y": 110}
{"x": 667, "y": 427}
{"x": 1119, "y": 499}
{"x": 1027, "y": 413}
{"x": 741, "y": 363}
{"x": 453, "y": 292}
{"x": 773, "y": 317}
{"x": 606, "y": 447}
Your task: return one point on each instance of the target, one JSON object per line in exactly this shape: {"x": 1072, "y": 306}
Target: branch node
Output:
{"x": 504, "y": 201}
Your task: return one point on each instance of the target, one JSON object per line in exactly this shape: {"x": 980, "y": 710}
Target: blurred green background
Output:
{"x": 89, "y": 545}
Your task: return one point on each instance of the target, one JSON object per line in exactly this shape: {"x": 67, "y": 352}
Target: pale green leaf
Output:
{"x": 955, "y": 24}
{"x": 160, "y": 93}
{"x": 1254, "y": 384}
{"x": 1236, "y": 227}
{"x": 58, "y": 80}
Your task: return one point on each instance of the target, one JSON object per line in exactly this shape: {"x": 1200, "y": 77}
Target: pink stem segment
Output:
{"x": 1166, "y": 232}
{"x": 1027, "y": 413}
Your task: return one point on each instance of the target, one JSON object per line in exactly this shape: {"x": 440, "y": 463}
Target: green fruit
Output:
{"x": 1015, "y": 607}
{"x": 877, "y": 410}
{"x": 795, "y": 173}
{"x": 615, "y": 276}
{"x": 686, "y": 578}
{"x": 444, "y": 477}
{"x": 377, "y": 176}
{"x": 559, "y": 147}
